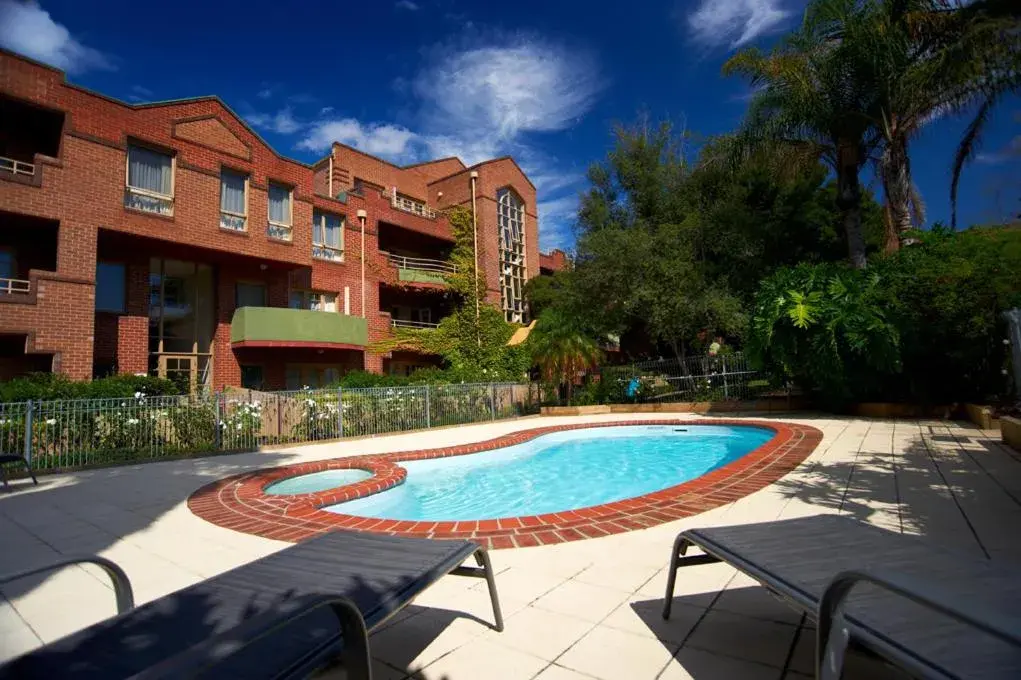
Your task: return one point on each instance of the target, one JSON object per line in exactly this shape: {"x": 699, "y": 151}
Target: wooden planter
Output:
{"x": 982, "y": 416}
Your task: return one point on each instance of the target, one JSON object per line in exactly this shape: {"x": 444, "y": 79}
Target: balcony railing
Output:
{"x": 421, "y": 263}
{"x": 321, "y": 252}
{"x": 281, "y": 232}
{"x": 411, "y": 206}
{"x": 148, "y": 201}
{"x": 15, "y": 287}
{"x": 233, "y": 222}
{"x": 408, "y": 323}
{"x": 17, "y": 167}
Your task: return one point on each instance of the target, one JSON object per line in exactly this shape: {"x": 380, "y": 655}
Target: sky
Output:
{"x": 410, "y": 80}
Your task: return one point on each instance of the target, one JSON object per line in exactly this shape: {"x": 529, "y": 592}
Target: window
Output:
{"x": 279, "y": 212}
{"x": 315, "y": 301}
{"x": 150, "y": 181}
{"x": 250, "y": 295}
{"x": 110, "y": 287}
{"x": 510, "y": 219}
{"x": 327, "y": 236}
{"x": 233, "y": 201}
{"x": 298, "y": 376}
{"x": 251, "y": 377}
{"x": 7, "y": 266}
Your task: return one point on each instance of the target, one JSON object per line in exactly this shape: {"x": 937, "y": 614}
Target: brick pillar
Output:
{"x": 373, "y": 362}
{"x": 133, "y": 325}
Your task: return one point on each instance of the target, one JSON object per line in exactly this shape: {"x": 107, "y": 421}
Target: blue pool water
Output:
{"x": 558, "y": 471}
{"x": 316, "y": 481}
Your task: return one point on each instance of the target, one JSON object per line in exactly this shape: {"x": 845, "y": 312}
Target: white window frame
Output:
{"x": 513, "y": 270}
{"x": 322, "y": 251}
{"x": 243, "y": 216}
{"x": 285, "y": 231}
{"x": 128, "y": 189}
{"x": 310, "y": 297}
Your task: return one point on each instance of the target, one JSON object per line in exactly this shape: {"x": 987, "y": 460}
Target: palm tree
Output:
{"x": 919, "y": 60}
{"x": 810, "y": 100}
{"x": 561, "y": 350}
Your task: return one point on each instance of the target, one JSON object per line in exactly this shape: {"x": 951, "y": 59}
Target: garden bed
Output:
{"x": 769, "y": 405}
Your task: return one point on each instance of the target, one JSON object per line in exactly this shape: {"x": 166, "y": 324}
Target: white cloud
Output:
{"x": 481, "y": 102}
{"x": 1009, "y": 151}
{"x": 523, "y": 86}
{"x": 282, "y": 122}
{"x": 27, "y": 28}
{"x": 557, "y": 218}
{"x": 264, "y": 93}
{"x": 406, "y": 4}
{"x": 734, "y": 23}
{"x": 381, "y": 139}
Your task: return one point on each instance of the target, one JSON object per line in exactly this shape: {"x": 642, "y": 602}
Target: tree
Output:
{"x": 561, "y": 349}
{"x": 641, "y": 260}
{"x": 811, "y": 102}
{"x": 472, "y": 339}
{"x": 920, "y": 60}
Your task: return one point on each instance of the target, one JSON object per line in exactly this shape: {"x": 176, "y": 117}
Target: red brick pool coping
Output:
{"x": 240, "y": 503}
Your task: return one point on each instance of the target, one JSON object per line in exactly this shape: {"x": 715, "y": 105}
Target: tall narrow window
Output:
{"x": 327, "y": 236}
{"x": 233, "y": 203}
{"x": 150, "y": 182}
{"x": 249, "y": 295}
{"x": 510, "y": 219}
{"x": 280, "y": 212}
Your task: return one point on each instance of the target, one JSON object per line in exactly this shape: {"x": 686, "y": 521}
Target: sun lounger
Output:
{"x": 284, "y": 615}
{"x": 933, "y": 612}
{"x": 6, "y": 459}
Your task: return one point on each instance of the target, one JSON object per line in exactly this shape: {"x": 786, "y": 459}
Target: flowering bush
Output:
{"x": 241, "y": 424}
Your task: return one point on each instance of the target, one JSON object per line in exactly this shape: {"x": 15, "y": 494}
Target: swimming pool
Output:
{"x": 316, "y": 481}
{"x": 557, "y": 472}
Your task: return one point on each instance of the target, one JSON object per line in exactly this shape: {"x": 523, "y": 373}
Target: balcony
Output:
{"x": 27, "y": 131}
{"x": 16, "y": 167}
{"x": 281, "y": 327}
{"x": 420, "y": 269}
{"x": 410, "y": 205}
{"x": 15, "y": 287}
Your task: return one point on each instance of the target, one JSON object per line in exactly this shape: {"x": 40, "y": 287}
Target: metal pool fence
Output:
{"x": 724, "y": 377}
{"x": 76, "y": 433}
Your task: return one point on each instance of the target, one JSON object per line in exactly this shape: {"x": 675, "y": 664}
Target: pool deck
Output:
{"x": 575, "y": 610}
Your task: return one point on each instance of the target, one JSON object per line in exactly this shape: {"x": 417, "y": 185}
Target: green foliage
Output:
{"x": 472, "y": 339}
{"x": 923, "y": 325}
{"x": 825, "y": 328}
{"x": 561, "y": 349}
{"x": 947, "y": 295}
{"x": 48, "y": 386}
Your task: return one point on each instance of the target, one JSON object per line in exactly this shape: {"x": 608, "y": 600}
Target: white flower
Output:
{"x": 132, "y": 421}
{"x": 139, "y": 395}
{"x": 257, "y": 404}
{"x": 123, "y": 404}
{"x": 239, "y": 426}
{"x": 51, "y": 421}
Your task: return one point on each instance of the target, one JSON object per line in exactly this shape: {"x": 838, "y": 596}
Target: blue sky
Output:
{"x": 415, "y": 79}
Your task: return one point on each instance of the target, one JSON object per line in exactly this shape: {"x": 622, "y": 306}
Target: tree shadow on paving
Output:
{"x": 760, "y": 637}
{"x": 921, "y": 489}
{"x": 89, "y": 511}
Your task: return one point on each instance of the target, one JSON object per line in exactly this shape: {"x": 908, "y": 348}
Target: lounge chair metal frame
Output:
{"x": 6, "y": 459}
{"x": 834, "y": 628}
{"x": 353, "y": 654}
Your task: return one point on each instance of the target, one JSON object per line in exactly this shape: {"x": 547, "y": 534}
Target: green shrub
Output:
{"x": 50, "y": 386}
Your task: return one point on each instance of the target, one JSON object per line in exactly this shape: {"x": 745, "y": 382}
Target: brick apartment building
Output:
{"x": 170, "y": 239}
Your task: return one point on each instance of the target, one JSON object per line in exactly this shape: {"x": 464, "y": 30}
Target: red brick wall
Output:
{"x": 83, "y": 189}
{"x": 555, "y": 260}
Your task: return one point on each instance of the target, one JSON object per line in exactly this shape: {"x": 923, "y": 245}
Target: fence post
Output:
{"x": 340, "y": 412}
{"x": 492, "y": 400}
{"x": 28, "y": 431}
{"x": 726, "y": 391}
{"x": 218, "y": 421}
{"x": 428, "y": 415}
